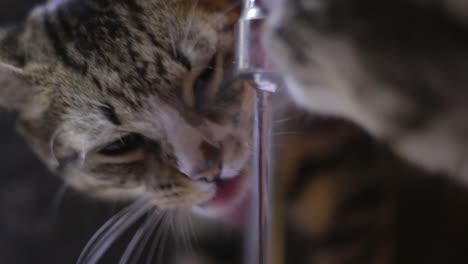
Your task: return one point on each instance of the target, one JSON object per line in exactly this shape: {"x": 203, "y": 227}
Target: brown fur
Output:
{"x": 82, "y": 74}
{"x": 398, "y": 69}
{"x": 347, "y": 199}
{"x": 404, "y": 79}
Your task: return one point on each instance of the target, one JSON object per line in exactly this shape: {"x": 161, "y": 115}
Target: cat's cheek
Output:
{"x": 100, "y": 189}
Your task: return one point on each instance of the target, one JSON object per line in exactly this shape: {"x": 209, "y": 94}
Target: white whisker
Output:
{"x": 153, "y": 247}
{"x": 192, "y": 231}
{"x": 156, "y": 221}
{"x": 166, "y": 232}
{"x": 140, "y": 237}
{"x": 285, "y": 119}
{"x": 113, "y": 234}
{"x": 57, "y": 201}
{"x": 111, "y": 230}
{"x": 52, "y": 143}
{"x": 156, "y": 239}
{"x": 184, "y": 235}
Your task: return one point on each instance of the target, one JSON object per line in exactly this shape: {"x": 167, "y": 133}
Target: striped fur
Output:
{"x": 404, "y": 79}
{"x": 348, "y": 199}
{"x": 151, "y": 77}
{"x": 84, "y": 74}
{"x": 398, "y": 69}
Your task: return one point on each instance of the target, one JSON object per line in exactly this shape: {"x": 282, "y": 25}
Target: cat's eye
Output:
{"x": 202, "y": 83}
{"x": 124, "y": 145}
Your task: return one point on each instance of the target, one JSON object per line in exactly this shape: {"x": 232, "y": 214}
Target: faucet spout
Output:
{"x": 258, "y": 72}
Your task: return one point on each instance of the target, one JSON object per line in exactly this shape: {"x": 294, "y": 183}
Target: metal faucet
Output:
{"x": 254, "y": 67}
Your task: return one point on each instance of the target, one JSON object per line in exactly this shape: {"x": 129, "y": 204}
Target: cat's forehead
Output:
{"x": 116, "y": 62}
{"x": 129, "y": 50}
{"x": 113, "y": 32}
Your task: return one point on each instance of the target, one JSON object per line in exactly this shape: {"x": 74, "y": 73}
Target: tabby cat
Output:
{"x": 137, "y": 100}
{"x": 348, "y": 199}
{"x": 396, "y": 67}
{"x": 134, "y": 101}
{"x": 131, "y": 99}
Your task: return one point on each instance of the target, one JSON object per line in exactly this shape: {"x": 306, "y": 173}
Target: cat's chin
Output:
{"x": 230, "y": 202}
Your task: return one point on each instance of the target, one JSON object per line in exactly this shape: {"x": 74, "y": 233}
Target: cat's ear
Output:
{"x": 15, "y": 85}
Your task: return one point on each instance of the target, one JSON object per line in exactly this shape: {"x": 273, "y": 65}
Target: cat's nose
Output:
{"x": 212, "y": 159}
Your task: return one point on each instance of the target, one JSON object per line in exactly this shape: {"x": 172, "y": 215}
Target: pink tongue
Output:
{"x": 227, "y": 189}
{"x": 226, "y": 197}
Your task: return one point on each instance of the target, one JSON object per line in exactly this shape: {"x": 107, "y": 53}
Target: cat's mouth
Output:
{"x": 227, "y": 190}
{"x": 229, "y": 201}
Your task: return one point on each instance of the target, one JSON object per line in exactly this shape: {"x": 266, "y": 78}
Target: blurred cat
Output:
{"x": 397, "y": 68}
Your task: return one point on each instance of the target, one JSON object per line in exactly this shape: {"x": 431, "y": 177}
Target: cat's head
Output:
{"x": 129, "y": 99}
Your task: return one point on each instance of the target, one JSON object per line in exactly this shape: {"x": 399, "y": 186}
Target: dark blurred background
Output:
{"x": 40, "y": 221}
